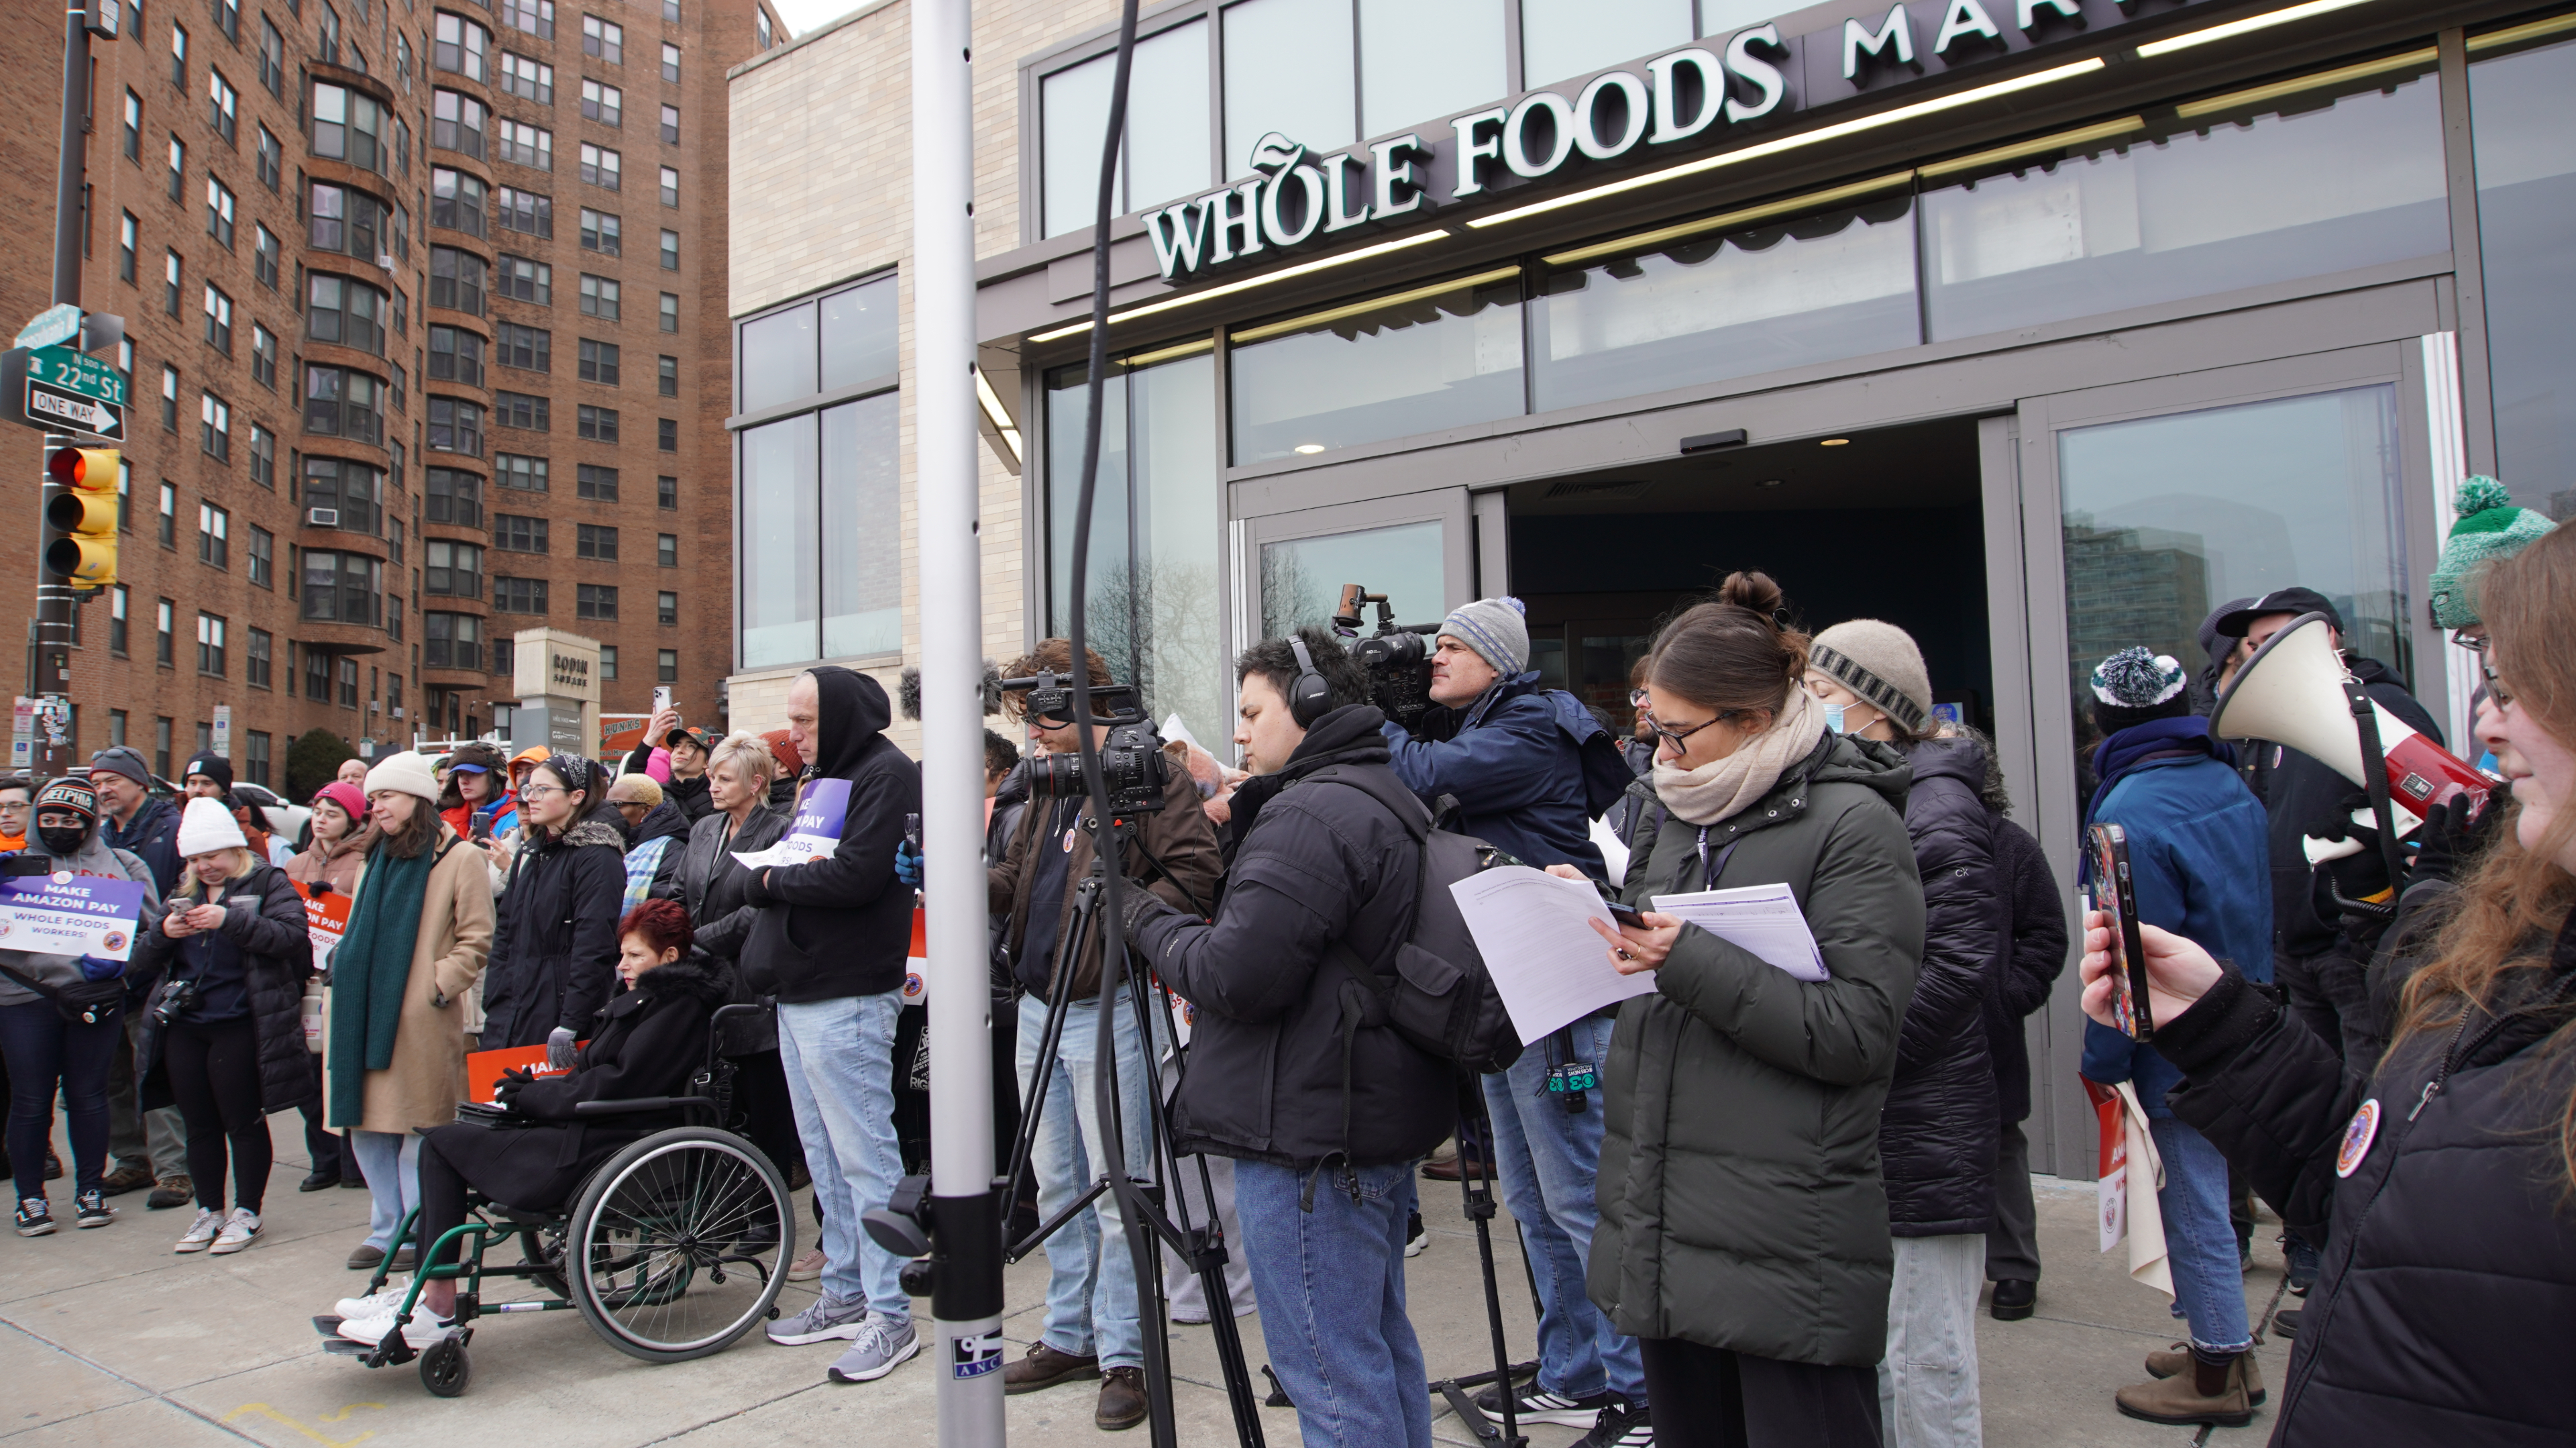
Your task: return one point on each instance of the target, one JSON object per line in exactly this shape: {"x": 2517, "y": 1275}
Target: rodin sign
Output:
{"x": 1694, "y": 94}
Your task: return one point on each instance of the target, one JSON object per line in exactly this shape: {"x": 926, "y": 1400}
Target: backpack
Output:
{"x": 1441, "y": 999}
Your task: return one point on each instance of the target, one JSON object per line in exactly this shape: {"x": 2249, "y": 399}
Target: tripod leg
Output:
{"x": 1479, "y": 1193}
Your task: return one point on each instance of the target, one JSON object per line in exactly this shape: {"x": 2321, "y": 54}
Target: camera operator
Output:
{"x": 1324, "y": 1117}
{"x": 1520, "y": 762}
{"x": 1092, "y": 1313}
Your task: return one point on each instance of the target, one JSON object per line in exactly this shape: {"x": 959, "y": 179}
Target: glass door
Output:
{"x": 1290, "y": 568}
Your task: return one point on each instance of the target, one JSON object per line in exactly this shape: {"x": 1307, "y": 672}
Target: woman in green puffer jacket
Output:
{"x": 1743, "y": 1235}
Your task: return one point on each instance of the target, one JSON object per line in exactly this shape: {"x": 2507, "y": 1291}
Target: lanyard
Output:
{"x": 1708, "y": 873}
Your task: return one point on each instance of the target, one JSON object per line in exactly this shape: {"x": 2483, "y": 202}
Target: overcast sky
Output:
{"x": 804, "y": 15}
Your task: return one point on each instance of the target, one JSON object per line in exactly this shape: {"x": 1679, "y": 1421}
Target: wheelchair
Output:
{"x": 673, "y": 1249}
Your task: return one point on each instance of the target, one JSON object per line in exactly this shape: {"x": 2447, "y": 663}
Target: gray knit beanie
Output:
{"x": 1496, "y": 629}
{"x": 1879, "y": 662}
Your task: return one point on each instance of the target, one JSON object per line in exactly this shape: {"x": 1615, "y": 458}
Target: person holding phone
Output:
{"x": 343, "y": 832}
{"x": 2199, "y": 867}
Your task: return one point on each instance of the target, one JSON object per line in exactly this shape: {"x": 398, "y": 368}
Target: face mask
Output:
{"x": 63, "y": 841}
{"x": 1834, "y": 718}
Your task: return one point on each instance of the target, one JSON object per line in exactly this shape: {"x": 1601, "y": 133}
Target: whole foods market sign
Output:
{"x": 1684, "y": 99}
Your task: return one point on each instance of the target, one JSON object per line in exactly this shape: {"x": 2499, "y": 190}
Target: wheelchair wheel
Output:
{"x": 680, "y": 1243}
{"x": 445, "y": 1369}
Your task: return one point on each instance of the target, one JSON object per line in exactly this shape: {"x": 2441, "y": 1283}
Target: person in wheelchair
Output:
{"x": 650, "y": 1039}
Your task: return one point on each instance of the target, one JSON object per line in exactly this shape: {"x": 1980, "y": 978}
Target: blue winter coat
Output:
{"x": 1515, "y": 764}
{"x": 2200, "y": 863}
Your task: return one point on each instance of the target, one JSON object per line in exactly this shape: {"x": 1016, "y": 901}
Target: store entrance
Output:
{"x": 1884, "y": 524}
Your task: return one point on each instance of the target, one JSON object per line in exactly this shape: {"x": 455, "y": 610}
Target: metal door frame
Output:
{"x": 1245, "y": 536}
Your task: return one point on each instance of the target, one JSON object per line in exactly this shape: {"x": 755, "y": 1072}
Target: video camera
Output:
{"x": 1397, "y": 657}
{"x": 1131, "y": 759}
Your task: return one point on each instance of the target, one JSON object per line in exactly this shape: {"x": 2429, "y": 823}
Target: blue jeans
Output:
{"x": 1091, "y": 1272}
{"x": 1331, "y": 1286}
{"x": 839, "y": 1056}
{"x": 1546, "y": 1158}
{"x": 391, "y": 1160}
{"x": 2200, "y": 1240}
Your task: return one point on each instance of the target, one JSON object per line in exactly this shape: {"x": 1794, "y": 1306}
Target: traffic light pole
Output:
{"x": 54, "y": 601}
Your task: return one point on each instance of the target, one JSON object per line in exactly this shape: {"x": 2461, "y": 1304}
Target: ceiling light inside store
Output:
{"x": 1837, "y": 442}
{"x": 1769, "y": 483}
{"x": 2250, "y": 23}
{"x": 1076, "y": 329}
{"x": 995, "y": 414}
{"x": 1310, "y": 447}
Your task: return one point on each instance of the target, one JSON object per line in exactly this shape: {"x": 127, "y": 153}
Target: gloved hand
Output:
{"x": 1139, "y": 905}
{"x": 2355, "y": 876}
{"x": 907, "y": 864}
{"x": 2452, "y": 842}
{"x": 559, "y": 1048}
{"x": 94, "y": 967}
{"x": 513, "y": 1081}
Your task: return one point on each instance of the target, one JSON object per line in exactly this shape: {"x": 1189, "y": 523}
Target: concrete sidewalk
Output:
{"x": 108, "y": 1338}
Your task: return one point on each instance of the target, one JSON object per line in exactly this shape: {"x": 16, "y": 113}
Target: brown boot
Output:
{"x": 125, "y": 1178}
{"x": 2177, "y": 1361}
{"x": 1122, "y": 1399}
{"x": 2214, "y": 1393}
{"x": 1044, "y": 1367}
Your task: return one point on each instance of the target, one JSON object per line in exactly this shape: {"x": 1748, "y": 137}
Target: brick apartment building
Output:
{"x": 423, "y": 348}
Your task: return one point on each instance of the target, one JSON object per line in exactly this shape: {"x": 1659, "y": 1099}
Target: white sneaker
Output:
{"x": 240, "y": 1230}
{"x": 424, "y": 1328}
{"x": 374, "y": 1304}
{"x": 202, "y": 1232}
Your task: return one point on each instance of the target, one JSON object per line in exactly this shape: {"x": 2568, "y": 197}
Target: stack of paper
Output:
{"x": 1548, "y": 963}
{"x": 1763, "y": 919}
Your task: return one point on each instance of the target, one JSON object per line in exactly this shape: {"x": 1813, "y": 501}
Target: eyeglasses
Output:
{"x": 1660, "y": 730}
{"x": 540, "y": 791}
{"x": 2495, "y": 682}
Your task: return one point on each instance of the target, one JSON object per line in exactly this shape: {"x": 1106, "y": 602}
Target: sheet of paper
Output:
{"x": 814, "y": 832}
{"x": 1763, "y": 919}
{"x": 1614, "y": 851}
{"x": 1549, "y": 966}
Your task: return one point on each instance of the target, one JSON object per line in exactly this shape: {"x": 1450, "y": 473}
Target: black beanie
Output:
{"x": 213, "y": 766}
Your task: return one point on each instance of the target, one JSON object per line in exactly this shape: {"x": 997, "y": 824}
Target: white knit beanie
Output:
{"x": 1881, "y": 663}
{"x": 208, "y": 826}
{"x": 404, "y": 773}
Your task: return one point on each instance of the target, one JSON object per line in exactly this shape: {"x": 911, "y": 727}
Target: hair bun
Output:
{"x": 1756, "y": 592}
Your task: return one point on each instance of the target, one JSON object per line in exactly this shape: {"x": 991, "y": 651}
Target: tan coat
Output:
{"x": 427, "y": 1078}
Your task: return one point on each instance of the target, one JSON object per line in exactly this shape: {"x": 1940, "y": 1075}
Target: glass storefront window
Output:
{"x": 2168, "y": 517}
{"x": 1287, "y": 69}
{"x": 778, "y": 358}
{"x": 2250, "y": 197}
{"x": 1154, "y": 610}
{"x": 859, "y": 334}
{"x": 781, "y": 603}
{"x": 1564, "y": 38}
{"x": 2524, "y": 109}
{"x": 1439, "y": 356}
{"x": 844, "y": 339}
{"x": 1166, "y": 154}
{"x": 862, "y": 556}
{"x": 1302, "y": 578}
{"x": 1423, "y": 59}
{"x": 1812, "y": 290}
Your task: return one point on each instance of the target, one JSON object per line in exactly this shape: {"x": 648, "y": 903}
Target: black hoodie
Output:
{"x": 842, "y": 925}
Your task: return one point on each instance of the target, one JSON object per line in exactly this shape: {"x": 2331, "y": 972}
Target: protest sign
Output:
{"x": 67, "y": 914}
{"x": 813, "y": 833}
{"x": 326, "y": 918}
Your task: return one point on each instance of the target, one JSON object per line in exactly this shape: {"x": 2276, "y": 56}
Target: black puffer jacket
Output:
{"x": 264, "y": 923}
{"x": 1937, "y": 1139}
{"x": 1317, "y": 863}
{"x": 2034, "y": 924}
{"x": 2449, "y": 1276}
{"x": 554, "y": 935}
{"x": 711, "y": 880}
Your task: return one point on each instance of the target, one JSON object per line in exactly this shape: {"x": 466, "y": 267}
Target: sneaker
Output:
{"x": 92, "y": 1209}
{"x": 127, "y": 1178}
{"x": 1620, "y": 1426}
{"x": 822, "y": 1321}
{"x": 240, "y": 1230}
{"x": 171, "y": 1191}
{"x": 35, "y": 1217}
{"x": 807, "y": 1268}
{"x": 876, "y": 1347}
{"x": 374, "y": 1304}
{"x": 1536, "y": 1406}
{"x": 1415, "y": 1239}
{"x": 2302, "y": 1259}
{"x": 202, "y": 1232}
{"x": 423, "y": 1329}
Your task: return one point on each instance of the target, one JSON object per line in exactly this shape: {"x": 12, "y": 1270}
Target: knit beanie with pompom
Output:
{"x": 2134, "y": 686}
{"x": 2490, "y": 527}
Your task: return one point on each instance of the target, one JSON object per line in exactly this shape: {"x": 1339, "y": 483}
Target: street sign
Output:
{"x": 57, "y": 323}
{"x": 48, "y": 406}
{"x": 223, "y": 730}
{"x": 72, "y": 371}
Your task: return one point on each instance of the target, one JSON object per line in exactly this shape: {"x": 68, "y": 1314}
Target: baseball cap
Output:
{"x": 2234, "y": 623}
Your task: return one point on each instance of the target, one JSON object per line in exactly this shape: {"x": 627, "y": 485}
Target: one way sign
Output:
{"x": 52, "y": 407}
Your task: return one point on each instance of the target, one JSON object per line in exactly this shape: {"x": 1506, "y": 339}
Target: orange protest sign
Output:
{"x": 326, "y": 919}
{"x": 483, "y": 1068}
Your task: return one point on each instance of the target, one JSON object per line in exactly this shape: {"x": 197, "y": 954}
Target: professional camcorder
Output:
{"x": 1397, "y": 657}
{"x": 1131, "y": 760}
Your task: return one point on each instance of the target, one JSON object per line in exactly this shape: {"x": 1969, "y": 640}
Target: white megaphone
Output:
{"x": 2291, "y": 692}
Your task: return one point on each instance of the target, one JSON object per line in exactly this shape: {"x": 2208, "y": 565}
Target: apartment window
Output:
{"x": 603, "y": 40}
{"x": 529, "y": 80}
{"x": 263, "y": 354}
{"x": 670, "y": 186}
{"x": 670, "y": 249}
{"x": 210, "y": 645}
{"x": 524, "y": 474}
{"x": 608, "y": 661}
{"x": 670, "y": 125}
{"x": 348, "y": 683}
{"x": 348, "y": 125}
{"x": 115, "y": 726}
{"x": 457, "y": 123}
{"x": 219, "y": 321}
{"x": 347, "y": 312}
{"x": 128, "y": 233}
{"x": 352, "y": 223}
{"x": 605, "y": 104}
{"x": 667, "y": 434}
{"x": 263, "y": 256}
{"x": 523, "y": 280}
{"x": 459, "y": 45}
{"x": 402, "y": 382}
{"x": 219, "y": 212}
{"x": 214, "y": 536}
{"x": 592, "y": 600}
{"x": 666, "y": 493}
{"x": 670, "y": 61}
{"x": 597, "y": 543}
{"x": 165, "y": 621}
{"x": 223, "y": 106}
{"x": 670, "y": 311}
{"x": 598, "y": 297}
{"x": 666, "y": 666}
{"x": 272, "y": 159}
{"x": 520, "y": 410}
{"x": 535, "y": 17}
{"x": 341, "y": 402}
{"x": 452, "y": 641}
{"x": 455, "y": 355}
{"x": 456, "y": 426}
{"x": 116, "y": 620}
{"x": 524, "y": 211}
{"x": 454, "y": 497}
{"x": 456, "y": 200}
{"x": 256, "y": 661}
{"x": 596, "y": 424}
{"x": 599, "y": 362}
{"x": 255, "y": 757}
{"x": 228, "y": 19}
{"x": 133, "y": 127}
{"x": 178, "y": 166}
{"x": 352, "y": 493}
{"x": 455, "y": 280}
{"x": 760, "y": 27}
{"x": 317, "y": 676}
{"x": 514, "y": 534}
{"x": 342, "y": 588}
{"x": 453, "y": 570}
{"x": 169, "y": 400}
{"x": 263, "y": 457}
{"x": 215, "y": 427}
{"x": 596, "y": 483}
{"x": 599, "y": 232}
{"x": 666, "y": 550}
{"x": 526, "y": 145}
{"x": 526, "y": 348}
{"x": 161, "y": 745}
{"x": 599, "y": 166}
{"x": 263, "y": 557}
{"x": 124, "y": 492}
{"x": 666, "y": 608}
{"x": 171, "y": 268}
{"x": 668, "y": 378}
{"x": 518, "y": 595}
{"x": 179, "y": 56}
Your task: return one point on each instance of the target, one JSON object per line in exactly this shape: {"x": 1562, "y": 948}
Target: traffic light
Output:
{"x": 80, "y": 516}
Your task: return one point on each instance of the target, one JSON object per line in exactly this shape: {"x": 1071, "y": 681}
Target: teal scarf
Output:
{"x": 369, "y": 973}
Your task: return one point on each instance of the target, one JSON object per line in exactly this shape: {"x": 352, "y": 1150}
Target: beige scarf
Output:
{"x": 1722, "y": 788}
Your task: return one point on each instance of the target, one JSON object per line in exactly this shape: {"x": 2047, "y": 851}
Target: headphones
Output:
{"x": 1309, "y": 697}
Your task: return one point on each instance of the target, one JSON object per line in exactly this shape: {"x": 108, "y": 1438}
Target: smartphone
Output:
{"x": 479, "y": 828}
{"x": 661, "y": 700}
{"x": 2113, "y": 896}
{"x": 1627, "y": 915}
{"x": 912, "y": 831}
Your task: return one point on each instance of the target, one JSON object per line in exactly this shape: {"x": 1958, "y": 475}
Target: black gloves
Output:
{"x": 1139, "y": 905}
{"x": 2452, "y": 843}
{"x": 512, "y": 1082}
{"x": 2356, "y": 876}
